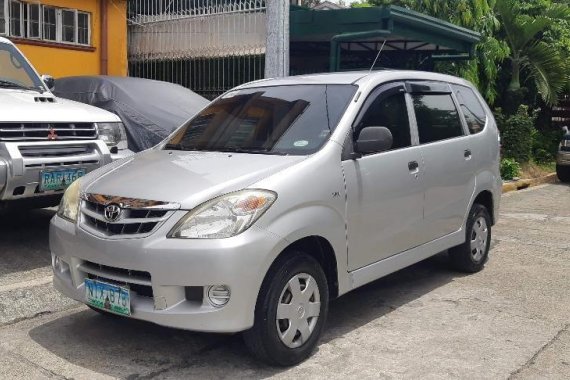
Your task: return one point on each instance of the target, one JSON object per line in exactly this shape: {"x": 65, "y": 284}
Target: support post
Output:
{"x": 277, "y": 40}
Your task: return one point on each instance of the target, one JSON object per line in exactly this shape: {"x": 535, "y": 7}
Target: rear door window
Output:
{"x": 437, "y": 118}
{"x": 472, "y": 109}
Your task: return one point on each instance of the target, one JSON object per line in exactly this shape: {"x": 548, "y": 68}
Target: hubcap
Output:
{"x": 479, "y": 236}
{"x": 298, "y": 310}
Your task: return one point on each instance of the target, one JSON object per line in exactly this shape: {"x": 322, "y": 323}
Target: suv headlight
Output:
{"x": 112, "y": 133}
{"x": 69, "y": 205}
{"x": 225, "y": 216}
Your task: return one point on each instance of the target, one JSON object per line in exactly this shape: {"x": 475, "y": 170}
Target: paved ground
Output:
{"x": 510, "y": 321}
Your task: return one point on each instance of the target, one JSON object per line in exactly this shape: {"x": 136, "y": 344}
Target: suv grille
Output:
{"x": 47, "y": 131}
{"x": 137, "y": 281}
{"x": 136, "y": 217}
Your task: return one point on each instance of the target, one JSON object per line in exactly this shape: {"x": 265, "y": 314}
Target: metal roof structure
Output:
{"x": 365, "y": 30}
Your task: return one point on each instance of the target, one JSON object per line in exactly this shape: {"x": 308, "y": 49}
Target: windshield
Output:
{"x": 15, "y": 72}
{"x": 294, "y": 120}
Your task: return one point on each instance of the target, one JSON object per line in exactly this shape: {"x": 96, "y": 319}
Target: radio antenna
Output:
{"x": 377, "y": 56}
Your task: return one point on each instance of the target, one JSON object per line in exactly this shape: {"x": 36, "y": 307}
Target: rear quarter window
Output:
{"x": 472, "y": 109}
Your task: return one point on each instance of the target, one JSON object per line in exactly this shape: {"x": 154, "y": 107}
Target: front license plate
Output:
{"x": 59, "y": 179}
{"x": 113, "y": 298}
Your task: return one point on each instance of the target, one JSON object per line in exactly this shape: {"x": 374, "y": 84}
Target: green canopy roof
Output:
{"x": 367, "y": 28}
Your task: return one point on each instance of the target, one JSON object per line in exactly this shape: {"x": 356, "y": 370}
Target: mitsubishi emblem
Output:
{"x": 51, "y": 134}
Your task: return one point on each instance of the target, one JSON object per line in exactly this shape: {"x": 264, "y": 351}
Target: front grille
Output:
{"x": 137, "y": 281}
{"x": 47, "y": 131}
{"x": 137, "y": 217}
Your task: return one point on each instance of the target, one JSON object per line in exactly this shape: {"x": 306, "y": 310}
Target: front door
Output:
{"x": 384, "y": 192}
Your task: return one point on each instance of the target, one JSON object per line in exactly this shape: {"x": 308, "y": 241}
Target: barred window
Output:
{"x": 34, "y": 21}
{"x": 3, "y": 18}
{"x": 49, "y": 24}
{"x": 16, "y": 18}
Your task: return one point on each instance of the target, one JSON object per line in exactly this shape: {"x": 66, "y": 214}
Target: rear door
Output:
{"x": 447, "y": 152}
{"x": 384, "y": 191}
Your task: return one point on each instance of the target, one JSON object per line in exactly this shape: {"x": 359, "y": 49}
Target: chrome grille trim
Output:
{"x": 40, "y": 131}
{"x": 140, "y": 217}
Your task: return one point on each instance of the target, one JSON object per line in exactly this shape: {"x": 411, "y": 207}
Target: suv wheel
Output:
{"x": 291, "y": 311}
{"x": 563, "y": 173}
{"x": 471, "y": 256}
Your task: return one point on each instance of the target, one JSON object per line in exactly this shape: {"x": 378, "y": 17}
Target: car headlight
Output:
{"x": 225, "y": 216}
{"x": 69, "y": 205}
{"x": 112, "y": 133}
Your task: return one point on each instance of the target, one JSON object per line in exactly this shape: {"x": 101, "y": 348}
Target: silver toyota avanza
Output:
{"x": 279, "y": 196}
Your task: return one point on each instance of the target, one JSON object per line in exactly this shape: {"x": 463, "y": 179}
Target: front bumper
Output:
{"x": 563, "y": 158}
{"x": 174, "y": 266}
{"x": 20, "y": 169}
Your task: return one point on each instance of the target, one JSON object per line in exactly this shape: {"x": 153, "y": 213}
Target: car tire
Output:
{"x": 296, "y": 279}
{"x": 563, "y": 173}
{"x": 471, "y": 256}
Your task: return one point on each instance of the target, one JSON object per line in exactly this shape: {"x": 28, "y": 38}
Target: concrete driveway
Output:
{"x": 512, "y": 320}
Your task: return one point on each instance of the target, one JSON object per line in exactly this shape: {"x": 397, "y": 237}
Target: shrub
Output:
{"x": 517, "y": 133}
{"x": 510, "y": 168}
{"x": 545, "y": 145}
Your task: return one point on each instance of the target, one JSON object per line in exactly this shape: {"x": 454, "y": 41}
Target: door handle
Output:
{"x": 467, "y": 153}
{"x": 413, "y": 166}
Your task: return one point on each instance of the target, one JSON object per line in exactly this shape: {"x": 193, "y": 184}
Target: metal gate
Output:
{"x": 208, "y": 46}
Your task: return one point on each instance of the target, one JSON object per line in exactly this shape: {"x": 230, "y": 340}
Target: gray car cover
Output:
{"x": 150, "y": 109}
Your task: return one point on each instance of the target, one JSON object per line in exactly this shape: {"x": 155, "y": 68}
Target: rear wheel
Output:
{"x": 471, "y": 256}
{"x": 563, "y": 173}
{"x": 291, "y": 311}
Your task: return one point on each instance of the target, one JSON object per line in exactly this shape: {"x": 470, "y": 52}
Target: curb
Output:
{"x": 526, "y": 183}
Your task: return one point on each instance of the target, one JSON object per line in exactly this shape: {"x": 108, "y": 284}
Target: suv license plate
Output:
{"x": 109, "y": 297}
{"x": 59, "y": 179}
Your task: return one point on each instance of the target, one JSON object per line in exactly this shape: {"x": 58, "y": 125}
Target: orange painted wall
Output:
{"x": 60, "y": 61}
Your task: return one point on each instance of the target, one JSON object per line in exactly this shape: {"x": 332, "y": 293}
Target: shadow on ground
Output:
{"x": 132, "y": 349}
{"x": 24, "y": 238}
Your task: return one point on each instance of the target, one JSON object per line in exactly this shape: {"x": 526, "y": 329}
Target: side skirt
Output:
{"x": 402, "y": 260}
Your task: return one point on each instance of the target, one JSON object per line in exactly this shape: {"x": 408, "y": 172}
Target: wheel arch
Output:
{"x": 485, "y": 198}
{"x": 322, "y": 251}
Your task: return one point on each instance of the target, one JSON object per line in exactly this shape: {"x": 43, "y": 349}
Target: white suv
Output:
{"x": 47, "y": 142}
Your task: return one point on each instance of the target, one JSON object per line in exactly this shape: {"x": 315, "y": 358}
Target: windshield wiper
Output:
{"x": 252, "y": 151}
{"x": 9, "y": 84}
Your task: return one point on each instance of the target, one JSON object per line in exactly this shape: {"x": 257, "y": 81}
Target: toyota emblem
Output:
{"x": 112, "y": 213}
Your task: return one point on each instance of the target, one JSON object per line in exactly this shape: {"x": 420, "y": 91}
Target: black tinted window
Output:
{"x": 390, "y": 112}
{"x": 437, "y": 117}
{"x": 273, "y": 120}
{"x": 473, "y": 111}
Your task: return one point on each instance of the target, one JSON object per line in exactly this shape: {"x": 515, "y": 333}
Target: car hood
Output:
{"x": 187, "y": 178}
{"x": 31, "y": 106}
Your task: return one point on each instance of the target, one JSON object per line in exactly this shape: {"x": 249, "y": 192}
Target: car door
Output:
{"x": 447, "y": 152}
{"x": 384, "y": 192}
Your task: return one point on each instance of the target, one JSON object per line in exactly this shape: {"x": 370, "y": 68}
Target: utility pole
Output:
{"x": 277, "y": 40}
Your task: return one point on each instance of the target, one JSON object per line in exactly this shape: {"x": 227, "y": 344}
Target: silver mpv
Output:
{"x": 279, "y": 196}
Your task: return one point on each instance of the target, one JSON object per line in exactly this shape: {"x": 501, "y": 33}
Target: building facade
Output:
{"x": 68, "y": 37}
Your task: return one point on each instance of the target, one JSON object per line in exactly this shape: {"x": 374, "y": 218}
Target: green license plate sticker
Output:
{"x": 109, "y": 297}
{"x": 59, "y": 179}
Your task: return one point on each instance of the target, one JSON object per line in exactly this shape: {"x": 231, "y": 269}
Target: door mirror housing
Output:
{"x": 373, "y": 140}
{"x": 49, "y": 81}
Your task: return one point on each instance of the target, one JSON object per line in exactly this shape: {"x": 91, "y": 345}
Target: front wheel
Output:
{"x": 291, "y": 311}
{"x": 471, "y": 256}
{"x": 563, "y": 173}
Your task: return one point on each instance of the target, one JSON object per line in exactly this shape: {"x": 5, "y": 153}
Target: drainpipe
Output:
{"x": 104, "y": 53}
{"x": 334, "y": 60}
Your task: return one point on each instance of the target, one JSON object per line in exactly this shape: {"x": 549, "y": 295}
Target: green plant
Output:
{"x": 529, "y": 53}
{"x": 510, "y": 169}
{"x": 545, "y": 145}
{"x": 517, "y": 132}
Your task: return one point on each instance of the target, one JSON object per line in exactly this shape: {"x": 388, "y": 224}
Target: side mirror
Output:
{"x": 373, "y": 140}
{"x": 565, "y": 130}
{"x": 49, "y": 81}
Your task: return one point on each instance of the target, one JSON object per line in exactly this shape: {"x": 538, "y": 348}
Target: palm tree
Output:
{"x": 531, "y": 55}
